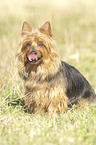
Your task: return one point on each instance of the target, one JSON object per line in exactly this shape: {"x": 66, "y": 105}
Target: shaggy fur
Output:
{"x": 51, "y": 84}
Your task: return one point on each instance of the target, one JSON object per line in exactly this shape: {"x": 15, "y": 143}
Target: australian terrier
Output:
{"x": 51, "y": 84}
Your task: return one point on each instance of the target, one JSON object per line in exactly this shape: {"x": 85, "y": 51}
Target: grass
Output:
{"x": 74, "y": 29}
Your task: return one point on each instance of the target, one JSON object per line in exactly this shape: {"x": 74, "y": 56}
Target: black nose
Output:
{"x": 33, "y": 52}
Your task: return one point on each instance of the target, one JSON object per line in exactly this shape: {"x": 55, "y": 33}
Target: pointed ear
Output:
{"x": 46, "y": 28}
{"x": 26, "y": 28}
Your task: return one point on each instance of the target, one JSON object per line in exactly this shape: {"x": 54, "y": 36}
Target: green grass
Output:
{"x": 74, "y": 127}
{"x": 74, "y": 29}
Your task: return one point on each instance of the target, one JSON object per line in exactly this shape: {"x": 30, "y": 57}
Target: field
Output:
{"x": 74, "y": 29}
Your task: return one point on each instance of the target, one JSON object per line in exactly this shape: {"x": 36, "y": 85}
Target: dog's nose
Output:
{"x": 33, "y": 52}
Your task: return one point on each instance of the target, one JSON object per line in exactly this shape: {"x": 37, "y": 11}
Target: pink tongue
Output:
{"x": 32, "y": 57}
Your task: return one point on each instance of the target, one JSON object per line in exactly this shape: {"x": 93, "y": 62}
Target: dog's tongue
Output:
{"x": 32, "y": 57}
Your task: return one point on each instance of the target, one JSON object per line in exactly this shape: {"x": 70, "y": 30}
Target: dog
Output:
{"x": 51, "y": 85}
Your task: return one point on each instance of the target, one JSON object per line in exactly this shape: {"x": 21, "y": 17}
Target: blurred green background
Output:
{"x": 74, "y": 29}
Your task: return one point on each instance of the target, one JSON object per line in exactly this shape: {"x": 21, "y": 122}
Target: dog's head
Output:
{"x": 37, "y": 48}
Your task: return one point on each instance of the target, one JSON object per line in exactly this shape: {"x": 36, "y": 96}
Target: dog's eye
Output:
{"x": 28, "y": 44}
{"x": 41, "y": 44}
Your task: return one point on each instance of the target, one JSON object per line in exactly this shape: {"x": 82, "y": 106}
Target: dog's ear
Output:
{"x": 46, "y": 28}
{"x": 26, "y": 28}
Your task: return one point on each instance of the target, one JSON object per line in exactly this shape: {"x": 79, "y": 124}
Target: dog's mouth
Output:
{"x": 33, "y": 57}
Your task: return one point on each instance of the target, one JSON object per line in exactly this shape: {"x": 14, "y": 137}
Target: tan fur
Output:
{"x": 44, "y": 89}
